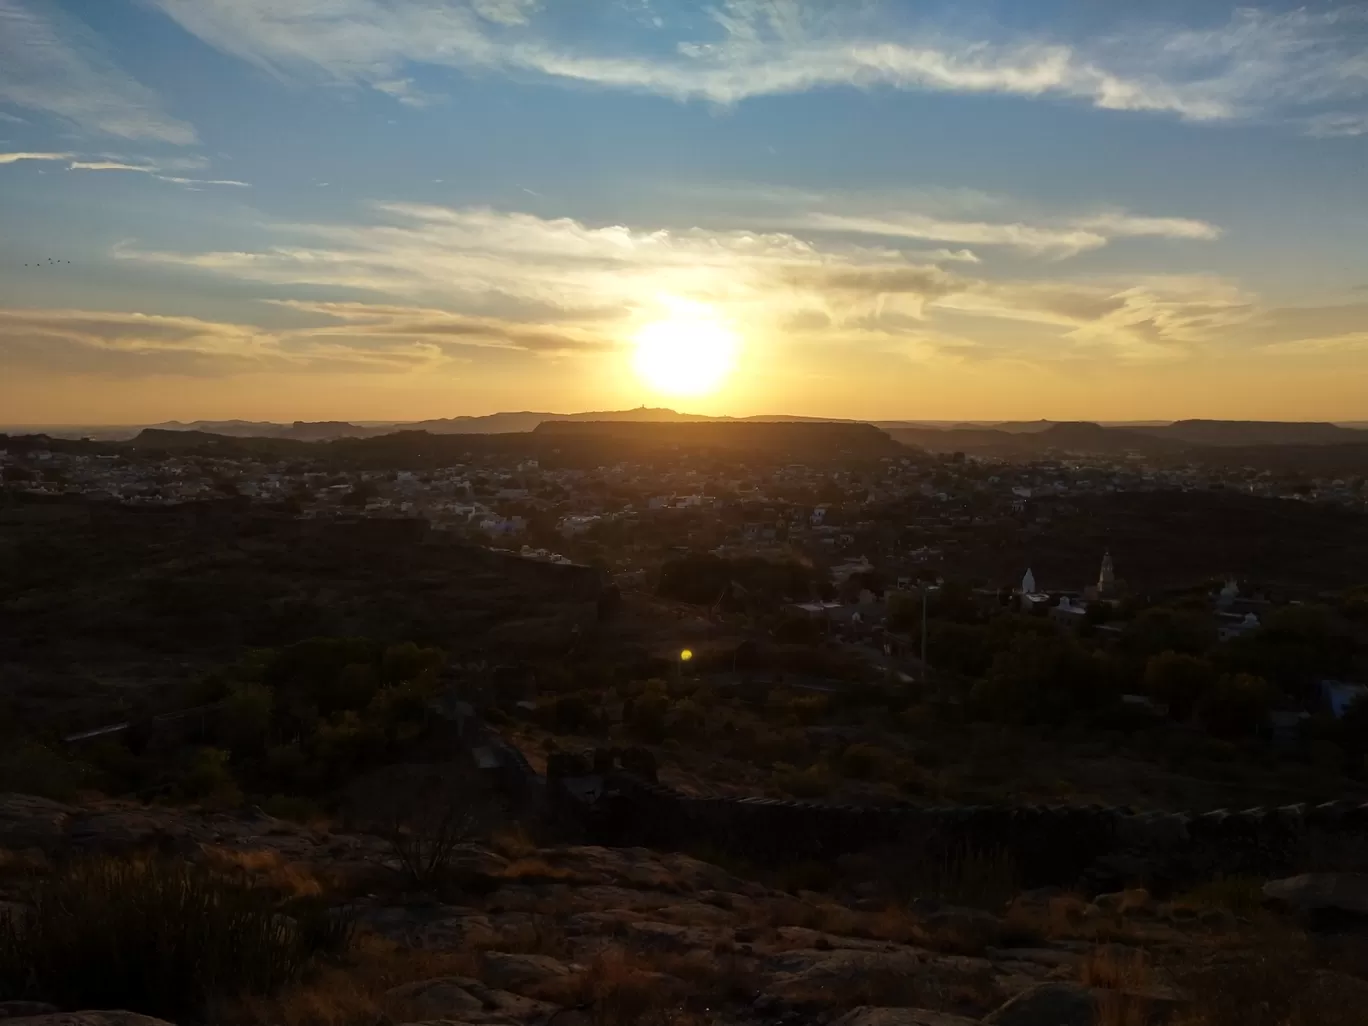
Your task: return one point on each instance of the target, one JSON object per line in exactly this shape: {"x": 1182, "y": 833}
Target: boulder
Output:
{"x": 114, "y": 1018}
{"x": 26, "y": 1009}
{"x": 1047, "y": 1004}
{"x": 459, "y": 997}
{"x": 518, "y": 972}
{"x": 445, "y": 997}
{"x": 1129, "y": 902}
{"x": 969, "y": 929}
{"x": 867, "y": 1016}
{"x": 27, "y": 821}
{"x": 431, "y": 927}
{"x": 654, "y": 936}
{"x": 1321, "y": 895}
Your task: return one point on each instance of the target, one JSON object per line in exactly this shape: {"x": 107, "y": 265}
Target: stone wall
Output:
{"x": 1101, "y": 846}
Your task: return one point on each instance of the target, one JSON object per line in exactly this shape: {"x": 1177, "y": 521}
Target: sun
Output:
{"x": 690, "y": 352}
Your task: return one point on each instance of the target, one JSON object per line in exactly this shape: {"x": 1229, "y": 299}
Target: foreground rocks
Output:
{"x": 1325, "y": 898}
{"x": 569, "y": 932}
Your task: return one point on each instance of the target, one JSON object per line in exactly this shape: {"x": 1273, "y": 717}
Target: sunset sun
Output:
{"x": 689, "y": 352}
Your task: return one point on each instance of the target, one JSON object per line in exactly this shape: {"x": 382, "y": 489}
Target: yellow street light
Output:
{"x": 685, "y": 656}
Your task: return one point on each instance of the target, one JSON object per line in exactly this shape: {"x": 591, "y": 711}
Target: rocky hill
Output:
{"x": 515, "y": 935}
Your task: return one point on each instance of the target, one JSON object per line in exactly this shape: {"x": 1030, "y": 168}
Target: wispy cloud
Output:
{"x": 52, "y": 64}
{"x": 606, "y": 279}
{"x": 1337, "y": 125}
{"x": 14, "y": 158}
{"x": 1353, "y": 342}
{"x": 151, "y": 169}
{"x": 353, "y": 338}
{"x": 896, "y": 216}
{"x": 113, "y": 164}
{"x": 1258, "y": 62}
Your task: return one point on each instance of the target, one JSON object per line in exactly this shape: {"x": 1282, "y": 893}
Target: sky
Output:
{"x": 402, "y": 209}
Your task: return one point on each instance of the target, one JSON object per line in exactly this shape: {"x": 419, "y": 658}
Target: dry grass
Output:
{"x": 541, "y": 936}
{"x": 351, "y": 993}
{"x": 534, "y": 869}
{"x": 267, "y": 867}
{"x": 894, "y": 924}
{"x": 22, "y": 863}
{"x": 1271, "y": 990}
{"x": 1065, "y": 917}
{"x": 512, "y": 841}
{"x": 619, "y": 988}
{"x": 1242, "y": 895}
{"x": 717, "y": 977}
{"x": 1120, "y": 977}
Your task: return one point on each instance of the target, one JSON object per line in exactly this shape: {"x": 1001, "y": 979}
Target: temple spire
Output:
{"x": 1106, "y": 578}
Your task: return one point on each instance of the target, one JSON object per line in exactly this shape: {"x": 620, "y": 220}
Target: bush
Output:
{"x": 30, "y": 768}
{"x": 161, "y": 938}
{"x": 1178, "y": 681}
{"x": 866, "y": 762}
{"x": 1237, "y": 706}
{"x": 209, "y": 779}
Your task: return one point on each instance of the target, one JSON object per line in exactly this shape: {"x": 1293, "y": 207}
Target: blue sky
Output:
{"x": 378, "y": 209}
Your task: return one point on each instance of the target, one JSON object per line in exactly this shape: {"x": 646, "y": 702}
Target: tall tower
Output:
{"x": 1106, "y": 579}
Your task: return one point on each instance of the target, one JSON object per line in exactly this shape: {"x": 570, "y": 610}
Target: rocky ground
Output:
{"x": 588, "y": 936}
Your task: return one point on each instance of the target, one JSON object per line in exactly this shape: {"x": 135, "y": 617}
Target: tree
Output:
{"x": 1237, "y": 706}
{"x": 1178, "y": 681}
{"x": 247, "y": 715}
{"x": 1295, "y": 647}
{"x": 1169, "y": 630}
{"x": 1041, "y": 679}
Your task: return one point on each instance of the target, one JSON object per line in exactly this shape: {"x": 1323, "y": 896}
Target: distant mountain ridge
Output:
{"x": 1008, "y": 438}
{"x": 1153, "y": 440}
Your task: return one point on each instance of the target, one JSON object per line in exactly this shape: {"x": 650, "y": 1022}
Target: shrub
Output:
{"x": 158, "y": 937}
{"x": 428, "y": 829}
{"x": 867, "y": 762}
{"x": 209, "y": 779}
{"x": 813, "y": 782}
{"x": 1237, "y": 706}
{"x": 30, "y": 768}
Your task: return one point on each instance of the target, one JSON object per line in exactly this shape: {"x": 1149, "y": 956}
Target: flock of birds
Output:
{"x": 50, "y": 263}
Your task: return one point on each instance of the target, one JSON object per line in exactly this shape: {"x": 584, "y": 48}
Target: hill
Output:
{"x": 1253, "y": 432}
{"x": 791, "y": 439}
{"x": 1077, "y": 436}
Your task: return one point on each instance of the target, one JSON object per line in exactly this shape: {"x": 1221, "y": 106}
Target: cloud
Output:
{"x": 1052, "y": 236}
{"x": 205, "y": 181}
{"x": 505, "y": 12}
{"x": 153, "y": 170}
{"x": 11, "y": 119}
{"x": 111, "y": 164}
{"x": 563, "y": 285}
{"x": 1255, "y": 63}
{"x": 1058, "y": 242}
{"x": 1337, "y": 125}
{"x": 1123, "y": 225}
{"x": 14, "y": 158}
{"x": 129, "y": 344}
{"x": 1353, "y": 342}
{"x": 108, "y": 165}
{"x": 53, "y": 64}
{"x": 442, "y": 327}
{"x": 369, "y": 339}
{"x": 405, "y": 91}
